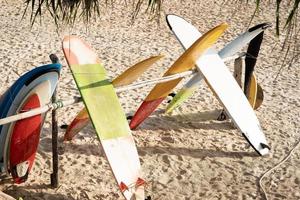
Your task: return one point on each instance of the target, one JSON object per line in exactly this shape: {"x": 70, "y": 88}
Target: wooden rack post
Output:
{"x": 54, "y": 175}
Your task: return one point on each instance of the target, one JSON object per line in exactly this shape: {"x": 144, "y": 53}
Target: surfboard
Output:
{"x": 106, "y": 115}
{"x": 229, "y": 50}
{"x": 185, "y": 62}
{"x": 14, "y": 96}
{"x": 130, "y": 75}
{"x": 23, "y": 139}
{"x": 227, "y": 91}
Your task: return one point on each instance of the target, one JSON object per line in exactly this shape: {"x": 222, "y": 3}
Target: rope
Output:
{"x": 275, "y": 167}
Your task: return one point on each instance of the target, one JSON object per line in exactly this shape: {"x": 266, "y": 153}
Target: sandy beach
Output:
{"x": 186, "y": 155}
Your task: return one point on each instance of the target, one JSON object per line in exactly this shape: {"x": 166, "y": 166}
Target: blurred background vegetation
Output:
{"x": 68, "y": 11}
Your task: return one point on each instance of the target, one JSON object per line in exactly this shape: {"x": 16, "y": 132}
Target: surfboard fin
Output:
{"x": 129, "y": 117}
{"x": 172, "y": 94}
{"x": 123, "y": 187}
{"x": 264, "y": 146}
{"x": 19, "y": 177}
{"x": 64, "y": 126}
{"x": 222, "y": 116}
{"x": 140, "y": 182}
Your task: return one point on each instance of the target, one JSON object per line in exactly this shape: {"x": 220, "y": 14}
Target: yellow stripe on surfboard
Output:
{"x": 259, "y": 97}
{"x": 186, "y": 61}
{"x": 252, "y": 91}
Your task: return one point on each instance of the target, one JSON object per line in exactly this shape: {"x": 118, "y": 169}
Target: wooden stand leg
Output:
{"x": 238, "y": 70}
{"x": 54, "y": 175}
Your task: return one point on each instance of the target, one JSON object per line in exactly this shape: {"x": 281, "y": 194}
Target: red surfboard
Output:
{"x": 24, "y": 135}
{"x": 24, "y": 141}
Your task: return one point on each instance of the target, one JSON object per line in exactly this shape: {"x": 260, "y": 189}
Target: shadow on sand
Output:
{"x": 195, "y": 153}
{"x": 27, "y": 194}
{"x": 206, "y": 120}
{"x": 96, "y": 150}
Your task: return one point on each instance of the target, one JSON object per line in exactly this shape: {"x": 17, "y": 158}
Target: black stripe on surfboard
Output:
{"x": 251, "y": 56}
{"x": 261, "y": 144}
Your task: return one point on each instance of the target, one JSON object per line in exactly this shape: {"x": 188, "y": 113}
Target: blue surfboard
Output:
{"x": 13, "y": 97}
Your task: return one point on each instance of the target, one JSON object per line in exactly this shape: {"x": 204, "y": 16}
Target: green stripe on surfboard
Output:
{"x": 101, "y": 101}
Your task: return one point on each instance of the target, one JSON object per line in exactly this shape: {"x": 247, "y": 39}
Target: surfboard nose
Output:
{"x": 262, "y": 26}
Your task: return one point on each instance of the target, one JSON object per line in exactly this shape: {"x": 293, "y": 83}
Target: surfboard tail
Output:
{"x": 145, "y": 109}
{"x": 134, "y": 190}
{"x": 80, "y": 121}
{"x": 76, "y": 126}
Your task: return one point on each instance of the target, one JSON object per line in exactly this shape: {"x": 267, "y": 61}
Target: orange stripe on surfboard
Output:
{"x": 185, "y": 62}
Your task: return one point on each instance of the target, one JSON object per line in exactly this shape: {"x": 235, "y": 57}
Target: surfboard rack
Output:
{"x": 55, "y": 104}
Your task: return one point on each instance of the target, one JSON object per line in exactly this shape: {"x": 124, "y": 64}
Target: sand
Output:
{"x": 188, "y": 155}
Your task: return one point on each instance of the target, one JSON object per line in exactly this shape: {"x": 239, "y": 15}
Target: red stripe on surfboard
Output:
{"x": 123, "y": 187}
{"x": 140, "y": 182}
{"x": 145, "y": 109}
{"x": 25, "y": 139}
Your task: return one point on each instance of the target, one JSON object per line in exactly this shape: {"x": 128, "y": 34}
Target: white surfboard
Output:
{"x": 191, "y": 34}
{"x": 224, "y": 86}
